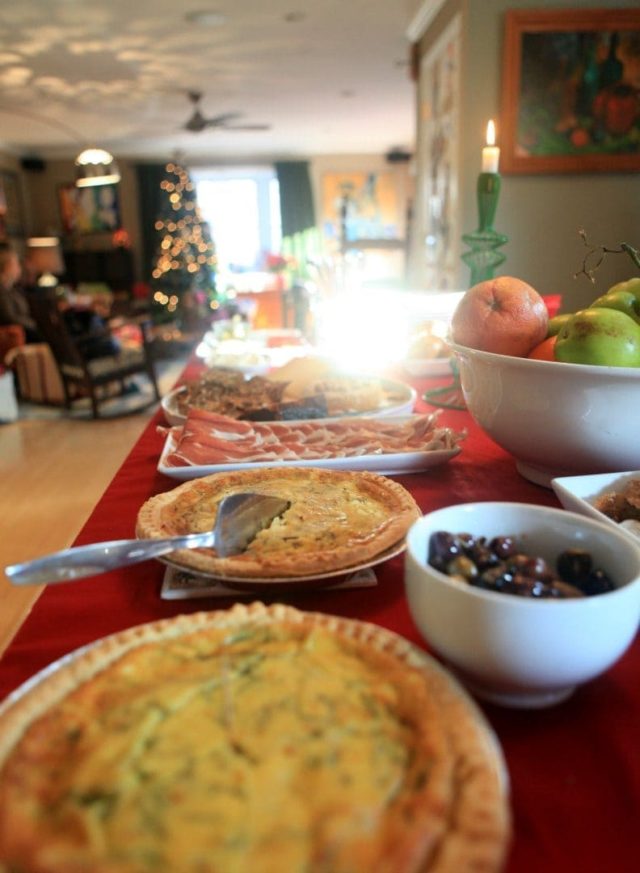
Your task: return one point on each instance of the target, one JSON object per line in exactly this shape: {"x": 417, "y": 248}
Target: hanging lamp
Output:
{"x": 96, "y": 167}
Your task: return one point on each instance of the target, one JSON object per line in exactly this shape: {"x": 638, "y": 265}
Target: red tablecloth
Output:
{"x": 574, "y": 768}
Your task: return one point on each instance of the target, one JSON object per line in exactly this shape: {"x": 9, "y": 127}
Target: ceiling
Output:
{"x": 329, "y": 77}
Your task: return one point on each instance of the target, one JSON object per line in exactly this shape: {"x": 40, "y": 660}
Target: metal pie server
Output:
{"x": 239, "y": 519}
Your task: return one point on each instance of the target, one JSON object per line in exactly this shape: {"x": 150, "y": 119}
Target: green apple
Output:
{"x": 555, "y": 323}
{"x": 605, "y": 337}
{"x": 625, "y": 301}
{"x": 632, "y": 285}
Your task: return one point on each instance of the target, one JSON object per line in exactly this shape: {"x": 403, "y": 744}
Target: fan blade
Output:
{"x": 247, "y": 127}
{"x": 221, "y": 120}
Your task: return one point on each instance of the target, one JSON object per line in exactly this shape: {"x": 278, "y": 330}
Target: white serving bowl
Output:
{"x": 518, "y": 651}
{"x": 556, "y": 419}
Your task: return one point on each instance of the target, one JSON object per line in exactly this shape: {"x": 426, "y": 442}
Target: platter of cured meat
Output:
{"x": 305, "y": 389}
{"x": 209, "y": 443}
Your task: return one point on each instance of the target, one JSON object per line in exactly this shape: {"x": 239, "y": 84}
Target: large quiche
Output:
{"x": 336, "y": 520}
{"x": 254, "y": 740}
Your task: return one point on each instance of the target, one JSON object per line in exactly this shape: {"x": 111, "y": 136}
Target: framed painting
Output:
{"x": 360, "y": 206}
{"x": 89, "y": 210}
{"x": 571, "y": 91}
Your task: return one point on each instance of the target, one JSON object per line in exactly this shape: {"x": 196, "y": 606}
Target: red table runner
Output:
{"x": 574, "y": 768}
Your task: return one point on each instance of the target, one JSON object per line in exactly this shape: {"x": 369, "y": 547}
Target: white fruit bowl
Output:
{"x": 517, "y": 651}
{"x": 556, "y": 419}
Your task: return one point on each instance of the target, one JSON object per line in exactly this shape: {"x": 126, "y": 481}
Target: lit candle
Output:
{"x": 491, "y": 152}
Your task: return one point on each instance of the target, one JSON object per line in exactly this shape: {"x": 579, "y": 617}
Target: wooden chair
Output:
{"x": 84, "y": 374}
{"x": 11, "y": 336}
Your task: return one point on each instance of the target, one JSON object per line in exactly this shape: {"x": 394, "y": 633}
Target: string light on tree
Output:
{"x": 183, "y": 273}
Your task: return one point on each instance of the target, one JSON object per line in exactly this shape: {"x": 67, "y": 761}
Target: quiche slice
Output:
{"x": 336, "y": 520}
{"x": 254, "y": 740}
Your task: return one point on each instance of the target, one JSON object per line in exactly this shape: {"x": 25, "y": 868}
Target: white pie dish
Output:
{"x": 310, "y": 581}
{"x": 517, "y": 651}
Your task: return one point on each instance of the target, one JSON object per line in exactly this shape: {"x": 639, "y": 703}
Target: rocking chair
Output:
{"x": 89, "y": 363}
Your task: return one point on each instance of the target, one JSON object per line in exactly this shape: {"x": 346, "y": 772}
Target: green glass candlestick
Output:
{"x": 484, "y": 242}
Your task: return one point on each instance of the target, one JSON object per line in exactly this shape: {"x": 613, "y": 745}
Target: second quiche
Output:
{"x": 336, "y": 520}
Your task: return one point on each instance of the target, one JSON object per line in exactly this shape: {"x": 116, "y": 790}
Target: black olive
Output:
{"x": 597, "y": 582}
{"x": 484, "y": 557}
{"x": 574, "y": 564}
{"x": 503, "y": 546}
{"x": 443, "y": 548}
{"x": 526, "y": 586}
{"x": 467, "y": 542}
{"x": 538, "y": 569}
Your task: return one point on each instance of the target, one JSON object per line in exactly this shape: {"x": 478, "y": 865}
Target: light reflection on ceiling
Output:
{"x": 329, "y": 77}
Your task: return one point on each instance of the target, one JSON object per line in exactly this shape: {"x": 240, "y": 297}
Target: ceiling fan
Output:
{"x": 198, "y": 122}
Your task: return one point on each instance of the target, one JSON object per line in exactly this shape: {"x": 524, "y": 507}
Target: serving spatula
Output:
{"x": 239, "y": 519}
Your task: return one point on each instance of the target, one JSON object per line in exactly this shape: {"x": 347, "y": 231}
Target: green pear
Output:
{"x": 625, "y": 301}
{"x": 555, "y": 323}
{"x": 632, "y": 285}
{"x": 605, "y": 337}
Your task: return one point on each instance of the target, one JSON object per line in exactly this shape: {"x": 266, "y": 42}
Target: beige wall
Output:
{"x": 540, "y": 213}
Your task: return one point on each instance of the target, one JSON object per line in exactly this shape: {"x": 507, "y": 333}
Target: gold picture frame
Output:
{"x": 571, "y": 91}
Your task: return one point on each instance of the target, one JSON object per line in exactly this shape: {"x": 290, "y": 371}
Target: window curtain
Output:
{"x": 296, "y": 199}
{"x": 149, "y": 177}
{"x": 300, "y": 237}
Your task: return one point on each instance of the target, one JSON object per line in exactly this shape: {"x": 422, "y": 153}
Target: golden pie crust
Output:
{"x": 254, "y": 740}
{"x": 337, "y": 519}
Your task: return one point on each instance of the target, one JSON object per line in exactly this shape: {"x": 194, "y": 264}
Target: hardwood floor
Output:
{"x": 43, "y": 500}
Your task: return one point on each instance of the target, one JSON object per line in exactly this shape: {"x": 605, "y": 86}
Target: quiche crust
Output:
{"x": 179, "y": 745}
{"x": 337, "y": 519}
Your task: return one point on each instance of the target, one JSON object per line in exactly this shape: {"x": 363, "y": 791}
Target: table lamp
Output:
{"x": 45, "y": 258}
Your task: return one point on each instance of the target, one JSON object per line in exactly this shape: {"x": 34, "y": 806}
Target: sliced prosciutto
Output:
{"x": 209, "y": 439}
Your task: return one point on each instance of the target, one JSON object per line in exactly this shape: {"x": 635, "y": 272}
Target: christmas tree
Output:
{"x": 183, "y": 272}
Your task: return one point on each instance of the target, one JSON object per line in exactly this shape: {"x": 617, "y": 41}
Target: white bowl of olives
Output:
{"x": 524, "y": 603}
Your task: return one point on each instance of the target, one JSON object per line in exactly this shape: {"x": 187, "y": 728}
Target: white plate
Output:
{"x": 578, "y": 493}
{"x": 314, "y": 580}
{"x": 400, "y": 400}
{"x": 248, "y": 365}
{"x": 390, "y": 464}
{"x": 428, "y": 366}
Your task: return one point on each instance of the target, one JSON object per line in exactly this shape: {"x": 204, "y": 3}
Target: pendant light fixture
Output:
{"x": 96, "y": 167}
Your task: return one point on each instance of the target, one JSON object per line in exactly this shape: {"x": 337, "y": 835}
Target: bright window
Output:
{"x": 242, "y": 207}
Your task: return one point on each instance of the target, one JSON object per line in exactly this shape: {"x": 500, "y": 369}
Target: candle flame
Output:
{"x": 491, "y": 133}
